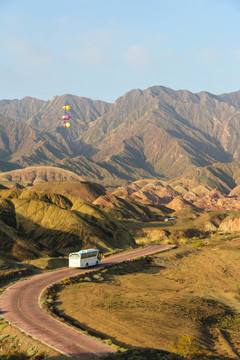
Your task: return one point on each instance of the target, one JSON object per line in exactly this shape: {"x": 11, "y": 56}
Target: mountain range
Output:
{"x": 154, "y": 133}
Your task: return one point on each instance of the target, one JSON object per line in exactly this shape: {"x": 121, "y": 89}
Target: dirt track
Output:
{"x": 20, "y": 306}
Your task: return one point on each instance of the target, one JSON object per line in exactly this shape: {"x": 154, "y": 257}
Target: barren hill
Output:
{"x": 179, "y": 204}
{"x": 85, "y": 190}
{"x": 35, "y": 224}
{"x": 125, "y": 207}
{"x": 39, "y": 174}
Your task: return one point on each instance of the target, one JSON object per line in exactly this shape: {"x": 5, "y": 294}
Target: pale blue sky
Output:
{"x": 103, "y": 48}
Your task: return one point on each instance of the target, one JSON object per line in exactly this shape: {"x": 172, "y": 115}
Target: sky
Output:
{"x": 101, "y": 49}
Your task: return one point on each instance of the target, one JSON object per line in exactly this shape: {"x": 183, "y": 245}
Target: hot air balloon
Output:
{"x": 66, "y": 117}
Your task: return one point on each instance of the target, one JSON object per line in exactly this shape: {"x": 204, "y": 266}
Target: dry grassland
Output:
{"x": 186, "y": 292}
{"x": 13, "y": 341}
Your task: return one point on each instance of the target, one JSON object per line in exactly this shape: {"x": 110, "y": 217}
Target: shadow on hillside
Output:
{"x": 219, "y": 153}
{"x": 3, "y": 312}
{"x": 27, "y": 239}
{"x": 116, "y": 172}
{"x": 6, "y": 165}
{"x": 136, "y": 266}
{"x": 46, "y": 239}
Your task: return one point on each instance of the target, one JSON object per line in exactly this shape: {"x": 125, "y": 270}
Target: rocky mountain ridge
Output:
{"x": 152, "y": 133}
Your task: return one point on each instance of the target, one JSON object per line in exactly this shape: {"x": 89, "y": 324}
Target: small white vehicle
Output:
{"x": 85, "y": 258}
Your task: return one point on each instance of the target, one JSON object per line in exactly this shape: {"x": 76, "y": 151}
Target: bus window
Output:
{"x": 74, "y": 256}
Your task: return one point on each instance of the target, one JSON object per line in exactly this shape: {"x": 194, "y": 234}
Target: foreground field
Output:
{"x": 189, "y": 291}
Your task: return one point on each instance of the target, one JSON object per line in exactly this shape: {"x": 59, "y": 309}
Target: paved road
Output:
{"x": 19, "y": 304}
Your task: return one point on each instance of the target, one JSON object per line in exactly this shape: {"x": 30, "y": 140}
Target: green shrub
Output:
{"x": 3, "y": 326}
{"x": 50, "y": 301}
{"x": 98, "y": 277}
{"x": 3, "y": 337}
{"x": 186, "y": 346}
{"x": 41, "y": 355}
{"x": 31, "y": 351}
{"x": 230, "y": 322}
{"x": 199, "y": 244}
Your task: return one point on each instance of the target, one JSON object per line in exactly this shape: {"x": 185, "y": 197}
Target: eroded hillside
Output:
{"x": 38, "y": 223}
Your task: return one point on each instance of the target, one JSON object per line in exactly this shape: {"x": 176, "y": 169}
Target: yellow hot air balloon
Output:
{"x": 67, "y": 124}
{"x": 68, "y": 107}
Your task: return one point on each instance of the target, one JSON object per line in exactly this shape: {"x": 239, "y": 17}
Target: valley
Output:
{"x": 157, "y": 166}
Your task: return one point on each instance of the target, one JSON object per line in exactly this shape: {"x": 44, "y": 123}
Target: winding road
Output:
{"x": 20, "y": 305}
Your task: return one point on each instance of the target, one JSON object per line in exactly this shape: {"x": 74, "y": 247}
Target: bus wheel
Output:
{"x": 86, "y": 265}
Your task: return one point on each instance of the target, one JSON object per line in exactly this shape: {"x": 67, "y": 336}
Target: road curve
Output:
{"x": 20, "y": 305}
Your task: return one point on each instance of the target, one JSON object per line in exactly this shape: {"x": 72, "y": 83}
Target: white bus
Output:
{"x": 85, "y": 258}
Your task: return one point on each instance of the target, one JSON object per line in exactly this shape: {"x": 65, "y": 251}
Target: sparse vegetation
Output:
{"x": 15, "y": 345}
{"x": 229, "y": 322}
{"x": 142, "y": 354}
{"x": 187, "y": 347}
{"x": 159, "y": 292}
